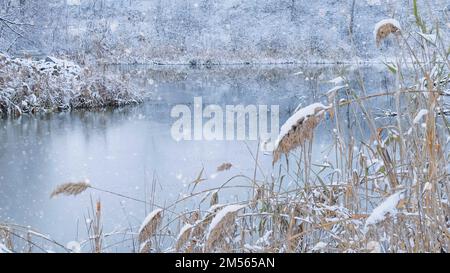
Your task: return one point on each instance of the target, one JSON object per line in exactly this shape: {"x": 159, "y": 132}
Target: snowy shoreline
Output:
{"x": 52, "y": 85}
{"x": 209, "y": 63}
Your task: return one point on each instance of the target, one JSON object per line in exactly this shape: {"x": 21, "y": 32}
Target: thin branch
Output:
{"x": 15, "y": 23}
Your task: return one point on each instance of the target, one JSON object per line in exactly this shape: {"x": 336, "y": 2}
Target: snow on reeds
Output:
{"x": 220, "y": 225}
{"x": 150, "y": 225}
{"x": 183, "y": 236}
{"x": 29, "y": 86}
{"x": 387, "y": 208}
{"x": 4, "y": 249}
{"x": 422, "y": 113}
{"x": 298, "y": 129}
{"x": 385, "y": 27}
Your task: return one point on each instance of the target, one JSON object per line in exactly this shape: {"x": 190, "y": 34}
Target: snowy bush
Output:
{"x": 28, "y": 86}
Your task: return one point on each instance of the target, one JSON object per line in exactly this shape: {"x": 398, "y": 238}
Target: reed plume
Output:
{"x": 150, "y": 225}
{"x": 214, "y": 199}
{"x": 71, "y": 188}
{"x": 384, "y": 28}
{"x": 221, "y": 225}
{"x": 298, "y": 129}
{"x": 224, "y": 167}
{"x": 183, "y": 237}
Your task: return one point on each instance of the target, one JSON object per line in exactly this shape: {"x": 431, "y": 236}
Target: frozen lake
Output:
{"x": 130, "y": 150}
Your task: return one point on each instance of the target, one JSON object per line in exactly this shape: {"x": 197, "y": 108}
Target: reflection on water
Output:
{"x": 124, "y": 150}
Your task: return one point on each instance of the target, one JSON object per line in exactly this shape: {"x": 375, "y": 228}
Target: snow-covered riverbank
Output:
{"x": 51, "y": 84}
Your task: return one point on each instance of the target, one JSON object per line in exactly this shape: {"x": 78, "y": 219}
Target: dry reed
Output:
{"x": 214, "y": 199}
{"x": 299, "y": 133}
{"x": 150, "y": 225}
{"x": 183, "y": 237}
{"x": 221, "y": 225}
{"x": 384, "y": 28}
{"x": 224, "y": 167}
{"x": 70, "y": 188}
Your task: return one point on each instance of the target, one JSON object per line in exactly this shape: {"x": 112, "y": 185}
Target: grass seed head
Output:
{"x": 71, "y": 188}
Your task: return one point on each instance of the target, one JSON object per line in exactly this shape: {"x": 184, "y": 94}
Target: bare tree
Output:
{"x": 13, "y": 27}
